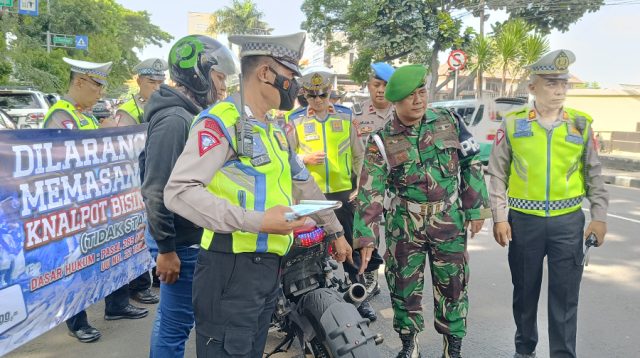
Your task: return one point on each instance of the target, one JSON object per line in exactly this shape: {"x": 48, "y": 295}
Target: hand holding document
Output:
{"x": 310, "y": 207}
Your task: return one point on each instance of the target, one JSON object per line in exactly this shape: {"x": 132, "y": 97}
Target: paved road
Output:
{"x": 609, "y": 307}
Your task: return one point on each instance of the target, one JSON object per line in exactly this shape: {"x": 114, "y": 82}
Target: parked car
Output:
{"x": 483, "y": 117}
{"x": 25, "y": 105}
{"x": 103, "y": 109}
{"x": 6, "y": 122}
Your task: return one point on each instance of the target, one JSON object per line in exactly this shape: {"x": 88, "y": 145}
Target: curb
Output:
{"x": 620, "y": 163}
{"x": 622, "y": 180}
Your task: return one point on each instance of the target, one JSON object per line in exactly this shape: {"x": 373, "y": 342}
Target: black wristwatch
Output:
{"x": 334, "y": 236}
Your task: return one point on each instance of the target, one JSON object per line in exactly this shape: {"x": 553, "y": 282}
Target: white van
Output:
{"x": 483, "y": 117}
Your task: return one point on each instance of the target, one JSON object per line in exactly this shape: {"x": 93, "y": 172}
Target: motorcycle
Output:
{"x": 317, "y": 307}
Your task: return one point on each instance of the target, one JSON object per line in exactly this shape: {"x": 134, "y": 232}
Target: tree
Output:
{"x": 114, "y": 32}
{"x": 482, "y": 52}
{"x": 239, "y": 18}
{"x": 414, "y": 30}
{"x": 544, "y": 15}
{"x": 517, "y": 46}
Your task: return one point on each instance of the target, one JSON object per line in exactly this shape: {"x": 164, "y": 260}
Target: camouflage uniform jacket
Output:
{"x": 435, "y": 160}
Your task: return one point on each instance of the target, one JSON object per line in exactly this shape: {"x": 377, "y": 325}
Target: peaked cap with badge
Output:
{"x": 97, "y": 71}
{"x": 553, "y": 65}
{"x": 317, "y": 79}
{"x": 286, "y": 49}
{"x": 154, "y": 68}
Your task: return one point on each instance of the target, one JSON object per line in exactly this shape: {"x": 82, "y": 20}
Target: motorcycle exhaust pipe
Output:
{"x": 356, "y": 294}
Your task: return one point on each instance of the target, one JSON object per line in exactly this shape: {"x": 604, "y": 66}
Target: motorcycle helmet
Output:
{"x": 192, "y": 59}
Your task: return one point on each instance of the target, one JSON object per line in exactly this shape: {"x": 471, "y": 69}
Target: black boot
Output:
{"x": 452, "y": 347}
{"x": 409, "y": 346}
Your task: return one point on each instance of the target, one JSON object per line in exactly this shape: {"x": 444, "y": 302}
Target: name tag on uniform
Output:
{"x": 397, "y": 149}
{"x": 523, "y": 128}
{"x": 336, "y": 125}
{"x": 575, "y": 139}
{"x": 311, "y": 137}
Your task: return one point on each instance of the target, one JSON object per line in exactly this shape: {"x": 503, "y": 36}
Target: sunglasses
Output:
{"x": 95, "y": 83}
{"x": 314, "y": 96}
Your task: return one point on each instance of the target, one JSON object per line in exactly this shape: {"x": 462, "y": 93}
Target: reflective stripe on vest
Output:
{"x": 255, "y": 186}
{"x": 133, "y": 109}
{"x": 546, "y": 177}
{"x": 333, "y": 137}
{"x": 83, "y": 123}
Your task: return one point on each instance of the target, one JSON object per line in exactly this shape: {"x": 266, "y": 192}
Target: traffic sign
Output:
{"x": 6, "y": 3}
{"x": 82, "y": 42}
{"x": 28, "y": 7}
{"x": 456, "y": 60}
{"x": 63, "y": 40}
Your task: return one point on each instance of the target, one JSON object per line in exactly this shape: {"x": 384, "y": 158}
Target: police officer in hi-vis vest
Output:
{"x": 86, "y": 86}
{"x": 151, "y": 74}
{"x": 542, "y": 166}
{"x": 236, "y": 178}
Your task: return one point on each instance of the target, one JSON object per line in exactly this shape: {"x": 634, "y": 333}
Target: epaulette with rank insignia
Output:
{"x": 342, "y": 109}
{"x": 298, "y": 113}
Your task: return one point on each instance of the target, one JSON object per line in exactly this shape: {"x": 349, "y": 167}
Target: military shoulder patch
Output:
{"x": 206, "y": 141}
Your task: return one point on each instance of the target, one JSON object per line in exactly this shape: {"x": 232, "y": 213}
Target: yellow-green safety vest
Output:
{"x": 547, "y": 167}
{"x": 82, "y": 121}
{"x": 133, "y": 109}
{"x": 331, "y": 136}
{"x": 257, "y": 183}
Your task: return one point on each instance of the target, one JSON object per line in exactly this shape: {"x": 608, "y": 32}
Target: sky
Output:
{"x": 599, "y": 40}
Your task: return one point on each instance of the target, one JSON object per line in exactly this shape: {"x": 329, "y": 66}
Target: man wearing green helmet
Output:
{"x": 199, "y": 66}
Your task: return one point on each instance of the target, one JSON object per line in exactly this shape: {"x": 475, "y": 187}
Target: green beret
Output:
{"x": 404, "y": 81}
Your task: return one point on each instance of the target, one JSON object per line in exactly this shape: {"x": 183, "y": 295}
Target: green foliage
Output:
{"x": 114, "y": 32}
{"x": 517, "y": 46}
{"x": 242, "y": 17}
{"x": 385, "y": 30}
{"x": 546, "y": 15}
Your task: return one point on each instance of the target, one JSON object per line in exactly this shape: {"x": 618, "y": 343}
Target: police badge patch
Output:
{"x": 523, "y": 128}
{"x": 336, "y": 125}
{"x": 68, "y": 124}
{"x": 309, "y": 128}
{"x": 206, "y": 141}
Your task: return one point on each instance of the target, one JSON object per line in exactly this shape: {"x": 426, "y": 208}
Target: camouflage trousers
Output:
{"x": 411, "y": 240}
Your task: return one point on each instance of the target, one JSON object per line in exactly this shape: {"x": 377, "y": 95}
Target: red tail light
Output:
{"x": 34, "y": 117}
{"x": 309, "y": 238}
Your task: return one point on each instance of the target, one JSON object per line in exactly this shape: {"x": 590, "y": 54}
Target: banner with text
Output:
{"x": 71, "y": 224}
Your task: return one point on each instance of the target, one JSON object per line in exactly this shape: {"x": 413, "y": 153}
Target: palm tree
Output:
{"x": 509, "y": 46}
{"x": 242, "y": 17}
{"x": 482, "y": 53}
{"x": 532, "y": 49}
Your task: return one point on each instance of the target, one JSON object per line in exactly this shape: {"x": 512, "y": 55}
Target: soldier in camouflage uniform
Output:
{"x": 430, "y": 162}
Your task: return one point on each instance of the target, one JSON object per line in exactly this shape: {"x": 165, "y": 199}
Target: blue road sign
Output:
{"x": 28, "y": 7}
{"x": 82, "y": 42}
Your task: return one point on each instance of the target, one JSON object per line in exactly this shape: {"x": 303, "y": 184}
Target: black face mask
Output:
{"x": 288, "y": 89}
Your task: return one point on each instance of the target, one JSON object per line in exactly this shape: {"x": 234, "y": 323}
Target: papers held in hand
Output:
{"x": 310, "y": 207}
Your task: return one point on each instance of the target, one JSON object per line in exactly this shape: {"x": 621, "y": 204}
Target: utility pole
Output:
{"x": 49, "y": 26}
{"x": 479, "y": 74}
